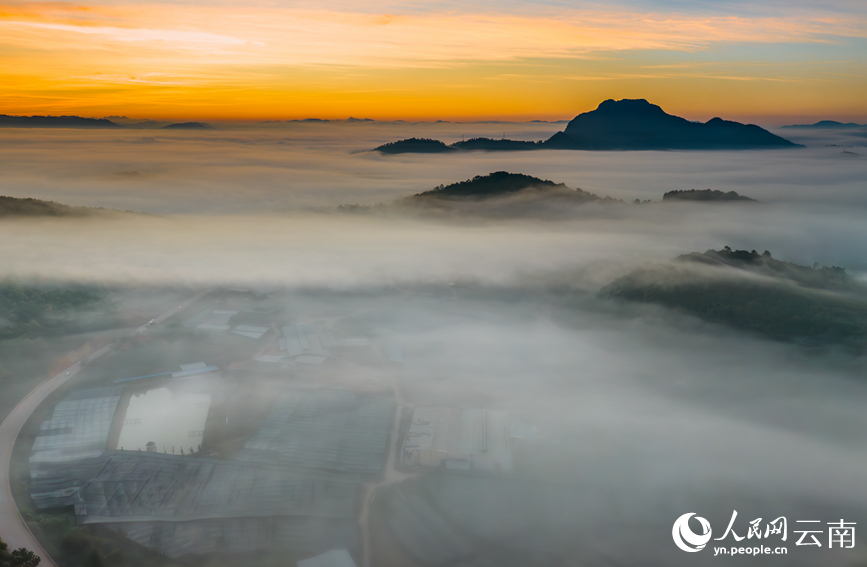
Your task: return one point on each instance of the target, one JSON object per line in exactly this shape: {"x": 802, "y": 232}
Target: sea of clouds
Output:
{"x": 651, "y": 414}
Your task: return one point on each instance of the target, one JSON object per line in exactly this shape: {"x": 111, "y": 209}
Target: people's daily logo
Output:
{"x": 685, "y": 538}
{"x": 761, "y": 536}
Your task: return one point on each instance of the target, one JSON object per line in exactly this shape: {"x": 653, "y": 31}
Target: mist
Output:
{"x": 640, "y": 413}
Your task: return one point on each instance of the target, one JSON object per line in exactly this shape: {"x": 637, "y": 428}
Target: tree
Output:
{"x": 19, "y": 558}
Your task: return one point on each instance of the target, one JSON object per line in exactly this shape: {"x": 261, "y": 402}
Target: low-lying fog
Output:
{"x": 645, "y": 414}
{"x": 298, "y": 165}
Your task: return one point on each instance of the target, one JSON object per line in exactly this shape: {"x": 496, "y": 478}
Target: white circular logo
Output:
{"x": 685, "y": 538}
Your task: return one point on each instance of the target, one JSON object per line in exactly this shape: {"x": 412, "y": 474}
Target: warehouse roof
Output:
{"x": 324, "y": 429}
{"x": 142, "y": 486}
{"x": 78, "y": 428}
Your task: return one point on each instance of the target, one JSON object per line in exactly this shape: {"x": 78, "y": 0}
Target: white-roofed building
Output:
{"x": 459, "y": 439}
{"x": 332, "y": 558}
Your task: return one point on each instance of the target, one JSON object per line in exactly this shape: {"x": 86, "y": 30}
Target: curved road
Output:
{"x": 13, "y": 529}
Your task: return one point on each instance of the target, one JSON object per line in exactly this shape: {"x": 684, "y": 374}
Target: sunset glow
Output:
{"x": 263, "y": 61}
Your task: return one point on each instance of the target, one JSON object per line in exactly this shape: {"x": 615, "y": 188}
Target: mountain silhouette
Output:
{"x": 828, "y": 125}
{"x": 414, "y": 146}
{"x": 500, "y": 184}
{"x": 188, "y": 126}
{"x": 635, "y": 124}
{"x": 628, "y": 124}
{"x": 705, "y": 195}
{"x": 7, "y": 121}
{"x": 30, "y": 207}
{"x": 492, "y": 144}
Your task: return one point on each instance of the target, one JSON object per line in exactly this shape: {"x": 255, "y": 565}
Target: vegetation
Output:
{"x": 20, "y": 557}
{"x": 704, "y": 195}
{"x": 494, "y": 144}
{"x": 32, "y": 310}
{"x": 755, "y": 292}
{"x": 496, "y": 183}
{"x": 543, "y": 194}
{"x": 29, "y": 207}
{"x": 501, "y": 183}
{"x": 90, "y": 546}
{"x": 429, "y": 146}
{"x": 414, "y": 146}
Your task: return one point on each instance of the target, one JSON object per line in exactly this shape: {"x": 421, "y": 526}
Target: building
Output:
{"x": 178, "y": 505}
{"x": 324, "y": 429}
{"x": 308, "y": 345}
{"x": 331, "y": 558}
{"x": 459, "y": 439}
{"x": 68, "y": 447}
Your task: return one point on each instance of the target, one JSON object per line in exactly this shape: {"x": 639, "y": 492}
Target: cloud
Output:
{"x": 642, "y": 414}
{"x": 220, "y": 183}
{"x": 172, "y": 39}
{"x": 264, "y": 35}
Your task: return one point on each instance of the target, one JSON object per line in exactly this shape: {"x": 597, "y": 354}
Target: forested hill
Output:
{"x": 16, "y": 207}
{"x": 705, "y": 195}
{"x": 755, "y": 292}
{"x": 498, "y": 184}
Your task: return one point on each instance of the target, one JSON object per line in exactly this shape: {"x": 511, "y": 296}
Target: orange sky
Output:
{"x": 228, "y": 60}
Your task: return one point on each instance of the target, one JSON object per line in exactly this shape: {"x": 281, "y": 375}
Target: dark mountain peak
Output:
{"x": 188, "y": 126}
{"x": 627, "y": 124}
{"x": 636, "y": 124}
{"x": 629, "y": 106}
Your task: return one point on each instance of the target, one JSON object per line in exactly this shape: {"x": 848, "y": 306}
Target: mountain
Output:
{"x": 137, "y": 124}
{"x": 7, "y": 121}
{"x": 705, "y": 195}
{"x": 635, "y": 124}
{"x": 499, "y": 194}
{"x": 188, "y": 126}
{"x": 414, "y": 146}
{"x": 29, "y": 207}
{"x": 621, "y": 125}
{"x": 501, "y": 184}
{"x": 491, "y": 144}
{"x": 828, "y": 125}
{"x": 16, "y": 207}
{"x": 757, "y": 293}
{"x": 429, "y": 146}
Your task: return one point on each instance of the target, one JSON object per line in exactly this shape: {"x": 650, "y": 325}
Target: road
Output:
{"x": 391, "y": 476}
{"x": 13, "y": 529}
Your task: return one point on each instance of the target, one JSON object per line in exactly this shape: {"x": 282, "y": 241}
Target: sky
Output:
{"x": 765, "y": 62}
